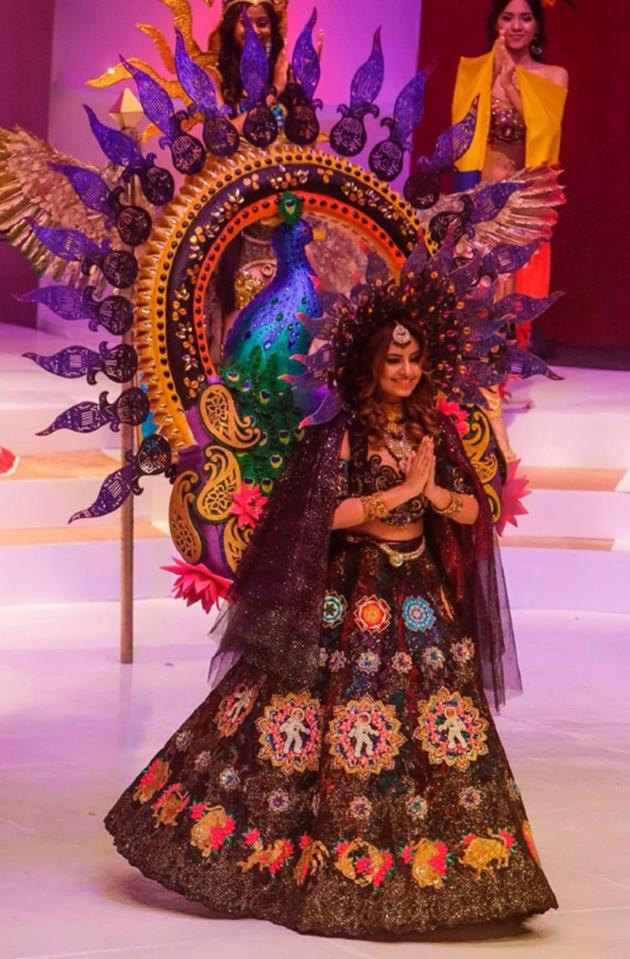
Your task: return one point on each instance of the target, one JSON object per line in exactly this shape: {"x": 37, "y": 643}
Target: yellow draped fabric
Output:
{"x": 543, "y": 109}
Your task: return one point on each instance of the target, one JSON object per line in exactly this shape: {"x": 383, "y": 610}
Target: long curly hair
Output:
{"x": 419, "y": 408}
{"x": 538, "y": 13}
{"x": 230, "y": 52}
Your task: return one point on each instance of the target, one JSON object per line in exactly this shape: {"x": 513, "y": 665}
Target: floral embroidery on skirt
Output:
{"x": 380, "y": 801}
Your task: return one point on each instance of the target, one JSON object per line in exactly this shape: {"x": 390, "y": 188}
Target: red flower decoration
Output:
{"x": 197, "y": 584}
{"x": 8, "y": 462}
{"x": 515, "y": 489}
{"x": 252, "y": 837}
{"x": 248, "y": 504}
{"x": 457, "y": 414}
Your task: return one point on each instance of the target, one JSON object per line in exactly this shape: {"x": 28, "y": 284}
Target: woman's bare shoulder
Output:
{"x": 555, "y": 74}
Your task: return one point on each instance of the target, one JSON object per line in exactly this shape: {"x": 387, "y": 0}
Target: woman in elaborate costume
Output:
{"x": 345, "y": 776}
{"x": 521, "y": 105}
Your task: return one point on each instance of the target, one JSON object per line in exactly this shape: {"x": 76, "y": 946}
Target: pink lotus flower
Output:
{"x": 197, "y": 584}
{"x": 515, "y": 489}
{"x": 248, "y": 504}
{"x": 457, "y": 414}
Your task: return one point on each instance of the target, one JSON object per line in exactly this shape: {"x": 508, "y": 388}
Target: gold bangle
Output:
{"x": 455, "y": 505}
{"x": 374, "y": 507}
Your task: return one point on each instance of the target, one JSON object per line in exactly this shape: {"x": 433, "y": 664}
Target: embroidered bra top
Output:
{"x": 506, "y": 123}
{"x": 363, "y": 475}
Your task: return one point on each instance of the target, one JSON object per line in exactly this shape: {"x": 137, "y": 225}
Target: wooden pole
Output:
{"x": 127, "y": 450}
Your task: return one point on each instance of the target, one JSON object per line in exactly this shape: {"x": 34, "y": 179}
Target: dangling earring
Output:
{"x": 535, "y": 47}
{"x": 268, "y": 47}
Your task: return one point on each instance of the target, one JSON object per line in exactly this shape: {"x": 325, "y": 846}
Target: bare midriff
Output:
{"x": 388, "y": 534}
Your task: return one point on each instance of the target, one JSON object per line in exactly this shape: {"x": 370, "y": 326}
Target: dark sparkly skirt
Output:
{"x": 378, "y": 802}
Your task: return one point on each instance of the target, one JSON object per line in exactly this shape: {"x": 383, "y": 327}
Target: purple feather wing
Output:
{"x": 66, "y": 244}
{"x": 195, "y": 80}
{"x": 368, "y": 80}
{"x": 67, "y": 303}
{"x": 409, "y": 107}
{"x": 451, "y": 145}
{"x": 89, "y": 187}
{"x": 507, "y": 258}
{"x": 156, "y": 103}
{"x": 117, "y": 146}
{"x": 305, "y": 62}
{"x": 254, "y": 66}
{"x": 490, "y": 200}
{"x": 520, "y": 308}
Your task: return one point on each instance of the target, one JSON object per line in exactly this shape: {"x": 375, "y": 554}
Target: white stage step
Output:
{"x": 544, "y": 574}
{"x": 592, "y": 504}
{"x": 45, "y": 491}
{"x": 80, "y": 564}
{"x": 581, "y": 422}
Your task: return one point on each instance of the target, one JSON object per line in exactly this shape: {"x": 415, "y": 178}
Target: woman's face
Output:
{"x": 518, "y": 25}
{"x": 401, "y": 371}
{"x": 260, "y": 21}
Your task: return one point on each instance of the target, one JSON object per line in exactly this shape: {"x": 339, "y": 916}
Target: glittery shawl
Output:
{"x": 274, "y": 621}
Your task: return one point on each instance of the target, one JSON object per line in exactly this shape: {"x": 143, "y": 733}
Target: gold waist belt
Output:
{"x": 396, "y": 557}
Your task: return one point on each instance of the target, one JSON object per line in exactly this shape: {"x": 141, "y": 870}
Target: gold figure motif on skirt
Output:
{"x": 486, "y": 855}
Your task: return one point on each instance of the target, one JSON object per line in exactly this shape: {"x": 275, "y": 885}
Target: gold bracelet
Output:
{"x": 455, "y": 505}
{"x": 374, "y": 507}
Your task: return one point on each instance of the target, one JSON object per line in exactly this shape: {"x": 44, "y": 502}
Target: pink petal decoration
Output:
{"x": 197, "y": 584}
{"x": 516, "y": 488}
{"x": 248, "y": 504}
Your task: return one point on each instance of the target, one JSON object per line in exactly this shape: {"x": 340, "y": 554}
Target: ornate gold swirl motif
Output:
{"x": 222, "y": 422}
{"x": 235, "y": 539}
{"x": 476, "y": 444}
{"x": 486, "y": 465}
{"x": 224, "y": 478}
{"x": 185, "y": 537}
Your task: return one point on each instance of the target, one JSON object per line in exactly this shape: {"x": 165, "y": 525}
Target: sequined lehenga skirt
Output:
{"x": 378, "y": 802}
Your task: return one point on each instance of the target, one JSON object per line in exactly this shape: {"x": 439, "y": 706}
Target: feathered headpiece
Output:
{"x": 467, "y": 330}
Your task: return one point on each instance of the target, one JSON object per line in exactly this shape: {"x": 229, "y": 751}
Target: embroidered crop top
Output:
{"x": 506, "y": 123}
{"x": 362, "y": 476}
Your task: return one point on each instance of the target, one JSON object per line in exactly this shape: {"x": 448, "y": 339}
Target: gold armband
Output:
{"x": 374, "y": 507}
{"x": 455, "y": 505}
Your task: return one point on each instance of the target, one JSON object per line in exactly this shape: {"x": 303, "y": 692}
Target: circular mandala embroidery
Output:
{"x": 235, "y": 708}
{"x": 418, "y": 614}
{"x": 290, "y": 732}
{"x": 451, "y": 729}
{"x": 335, "y": 609}
{"x": 372, "y": 615}
{"x": 364, "y": 736}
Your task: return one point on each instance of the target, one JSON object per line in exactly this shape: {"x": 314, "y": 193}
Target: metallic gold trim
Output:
{"x": 214, "y": 502}
{"x": 221, "y": 420}
{"x": 185, "y": 537}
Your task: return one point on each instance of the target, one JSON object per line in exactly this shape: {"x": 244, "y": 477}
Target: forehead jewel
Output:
{"x": 401, "y": 335}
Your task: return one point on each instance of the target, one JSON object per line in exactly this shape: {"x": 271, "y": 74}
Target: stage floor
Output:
{"x": 77, "y": 728}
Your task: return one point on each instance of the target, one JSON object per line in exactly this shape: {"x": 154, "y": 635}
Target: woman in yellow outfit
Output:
{"x": 521, "y": 105}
